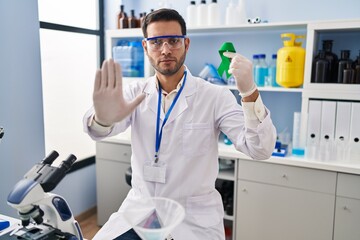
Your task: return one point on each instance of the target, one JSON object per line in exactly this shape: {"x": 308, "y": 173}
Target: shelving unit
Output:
{"x": 316, "y": 32}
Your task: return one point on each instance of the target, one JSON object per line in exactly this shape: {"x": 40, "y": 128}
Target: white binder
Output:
{"x": 314, "y": 121}
{"x": 355, "y": 125}
{"x": 342, "y": 129}
{"x": 328, "y": 115}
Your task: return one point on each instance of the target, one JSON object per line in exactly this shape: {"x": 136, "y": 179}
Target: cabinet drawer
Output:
{"x": 347, "y": 218}
{"x": 296, "y": 177}
{"x": 113, "y": 151}
{"x": 348, "y": 185}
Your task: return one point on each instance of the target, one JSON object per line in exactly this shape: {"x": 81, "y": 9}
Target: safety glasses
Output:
{"x": 173, "y": 42}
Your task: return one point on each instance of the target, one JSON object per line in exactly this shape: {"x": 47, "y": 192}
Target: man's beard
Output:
{"x": 168, "y": 71}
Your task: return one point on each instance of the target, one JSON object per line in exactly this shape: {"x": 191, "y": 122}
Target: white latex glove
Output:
{"x": 109, "y": 103}
{"x": 242, "y": 70}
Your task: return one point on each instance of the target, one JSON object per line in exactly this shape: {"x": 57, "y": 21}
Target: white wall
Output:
{"x": 20, "y": 94}
{"x": 21, "y": 108}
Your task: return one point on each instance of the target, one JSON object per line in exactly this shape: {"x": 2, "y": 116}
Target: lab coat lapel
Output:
{"x": 182, "y": 103}
{"x": 152, "y": 100}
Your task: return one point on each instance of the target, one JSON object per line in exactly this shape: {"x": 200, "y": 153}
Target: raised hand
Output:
{"x": 109, "y": 103}
{"x": 241, "y": 69}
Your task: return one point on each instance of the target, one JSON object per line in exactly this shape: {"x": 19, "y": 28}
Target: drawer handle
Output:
{"x": 346, "y": 208}
{"x": 125, "y": 154}
{"x": 284, "y": 176}
{"x": 244, "y": 190}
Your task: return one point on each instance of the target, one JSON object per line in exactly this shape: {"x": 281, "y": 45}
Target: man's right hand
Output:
{"x": 109, "y": 103}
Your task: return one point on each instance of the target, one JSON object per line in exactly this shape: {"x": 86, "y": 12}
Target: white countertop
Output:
{"x": 226, "y": 151}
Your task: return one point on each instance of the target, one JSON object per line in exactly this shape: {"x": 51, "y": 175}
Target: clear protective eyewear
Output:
{"x": 173, "y": 42}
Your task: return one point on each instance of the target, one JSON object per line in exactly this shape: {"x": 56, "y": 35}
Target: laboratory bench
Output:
{"x": 277, "y": 198}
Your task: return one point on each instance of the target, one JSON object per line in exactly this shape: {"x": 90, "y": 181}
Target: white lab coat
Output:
{"x": 189, "y": 147}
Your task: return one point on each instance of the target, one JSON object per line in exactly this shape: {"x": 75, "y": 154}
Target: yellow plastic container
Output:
{"x": 290, "y": 61}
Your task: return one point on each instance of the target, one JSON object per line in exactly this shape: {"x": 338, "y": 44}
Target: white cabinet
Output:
{"x": 347, "y": 211}
{"x": 282, "y": 202}
{"x": 112, "y": 162}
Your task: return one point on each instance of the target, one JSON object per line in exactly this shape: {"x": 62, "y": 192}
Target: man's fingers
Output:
{"x": 111, "y": 74}
{"x": 104, "y": 74}
{"x": 235, "y": 56}
{"x": 234, "y": 71}
{"x": 229, "y": 54}
{"x": 97, "y": 82}
{"x": 118, "y": 76}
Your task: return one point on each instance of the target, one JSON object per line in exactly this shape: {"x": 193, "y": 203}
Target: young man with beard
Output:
{"x": 175, "y": 121}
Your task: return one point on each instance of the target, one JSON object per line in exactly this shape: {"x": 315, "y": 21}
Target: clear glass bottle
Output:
{"x": 255, "y": 61}
{"x": 261, "y": 71}
{"x": 272, "y": 71}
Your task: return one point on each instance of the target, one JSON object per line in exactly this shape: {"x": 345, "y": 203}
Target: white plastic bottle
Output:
{"x": 241, "y": 14}
{"x": 191, "y": 19}
{"x": 213, "y": 13}
{"x": 202, "y": 14}
{"x": 230, "y": 15}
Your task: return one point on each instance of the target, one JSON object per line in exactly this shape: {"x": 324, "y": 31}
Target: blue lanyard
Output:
{"x": 159, "y": 134}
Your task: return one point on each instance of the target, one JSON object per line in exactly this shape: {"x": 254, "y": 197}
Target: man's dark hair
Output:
{"x": 163, "y": 14}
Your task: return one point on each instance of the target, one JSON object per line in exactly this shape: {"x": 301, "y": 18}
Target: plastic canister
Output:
{"x": 137, "y": 55}
{"x": 290, "y": 61}
{"x": 131, "y": 59}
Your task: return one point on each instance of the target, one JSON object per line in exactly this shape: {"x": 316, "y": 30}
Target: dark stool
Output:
{"x": 128, "y": 175}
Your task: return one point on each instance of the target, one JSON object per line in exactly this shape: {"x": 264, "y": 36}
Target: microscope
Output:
{"x": 43, "y": 215}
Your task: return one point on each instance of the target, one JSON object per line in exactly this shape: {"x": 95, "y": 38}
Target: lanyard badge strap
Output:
{"x": 159, "y": 133}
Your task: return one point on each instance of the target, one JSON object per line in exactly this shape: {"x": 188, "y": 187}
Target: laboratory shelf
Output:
{"x": 220, "y": 30}
{"x": 227, "y": 174}
{"x": 270, "y": 89}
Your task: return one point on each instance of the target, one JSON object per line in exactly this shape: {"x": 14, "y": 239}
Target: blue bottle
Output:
{"x": 272, "y": 71}
{"x": 255, "y": 62}
{"x": 137, "y": 59}
{"x": 261, "y": 71}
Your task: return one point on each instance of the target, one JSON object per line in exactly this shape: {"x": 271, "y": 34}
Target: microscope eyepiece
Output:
{"x": 49, "y": 159}
{"x": 68, "y": 162}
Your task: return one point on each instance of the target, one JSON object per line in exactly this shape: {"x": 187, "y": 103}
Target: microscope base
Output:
{"x": 38, "y": 232}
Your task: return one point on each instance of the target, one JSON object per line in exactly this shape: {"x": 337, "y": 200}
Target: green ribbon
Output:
{"x": 225, "y": 61}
